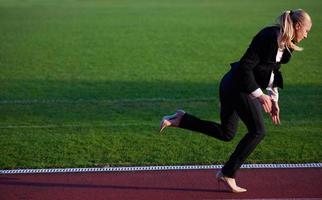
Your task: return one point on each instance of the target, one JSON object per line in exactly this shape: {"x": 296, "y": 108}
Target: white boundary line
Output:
{"x": 157, "y": 168}
{"x": 68, "y": 101}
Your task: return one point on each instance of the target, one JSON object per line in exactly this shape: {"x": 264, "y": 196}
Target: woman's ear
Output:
{"x": 297, "y": 26}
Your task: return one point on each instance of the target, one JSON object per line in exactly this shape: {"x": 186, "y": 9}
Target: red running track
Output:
{"x": 303, "y": 183}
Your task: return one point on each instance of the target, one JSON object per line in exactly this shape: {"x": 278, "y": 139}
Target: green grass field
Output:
{"x": 85, "y": 83}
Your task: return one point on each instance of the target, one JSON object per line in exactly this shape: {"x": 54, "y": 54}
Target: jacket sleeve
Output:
{"x": 259, "y": 47}
{"x": 278, "y": 79}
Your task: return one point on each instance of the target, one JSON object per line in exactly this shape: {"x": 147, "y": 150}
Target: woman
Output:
{"x": 241, "y": 94}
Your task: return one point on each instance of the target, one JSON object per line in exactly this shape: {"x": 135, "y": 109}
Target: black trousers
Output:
{"x": 234, "y": 105}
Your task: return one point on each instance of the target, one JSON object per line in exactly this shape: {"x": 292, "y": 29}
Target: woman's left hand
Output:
{"x": 275, "y": 113}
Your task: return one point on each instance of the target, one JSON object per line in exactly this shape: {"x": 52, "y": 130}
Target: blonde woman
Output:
{"x": 241, "y": 91}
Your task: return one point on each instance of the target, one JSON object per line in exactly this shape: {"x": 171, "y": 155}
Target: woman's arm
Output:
{"x": 275, "y": 113}
{"x": 261, "y": 50}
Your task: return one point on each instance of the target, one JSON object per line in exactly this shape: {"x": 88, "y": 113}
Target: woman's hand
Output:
{"x": 266, "y": 102}
{"x": 275, "y": 113}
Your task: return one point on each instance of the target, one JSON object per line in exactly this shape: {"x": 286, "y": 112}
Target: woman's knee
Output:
{"x": 228, "y": 134}
{"x": 228, "y": 137}
{"x": 259, "y": 133}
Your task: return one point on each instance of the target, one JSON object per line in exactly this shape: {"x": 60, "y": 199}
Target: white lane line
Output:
{"x": 109, "y": 101}
{"x": 157, "y": 168}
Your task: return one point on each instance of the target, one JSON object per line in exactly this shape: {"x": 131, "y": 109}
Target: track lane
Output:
{"x": 301, "y": 183}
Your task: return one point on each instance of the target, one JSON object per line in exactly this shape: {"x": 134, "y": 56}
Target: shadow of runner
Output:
{"x": 112, "y": 187}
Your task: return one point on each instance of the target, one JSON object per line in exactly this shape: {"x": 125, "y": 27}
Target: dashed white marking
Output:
{"x": 157, "y": 168}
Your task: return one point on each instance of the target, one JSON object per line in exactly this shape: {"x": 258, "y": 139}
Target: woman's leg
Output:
{"x": 250, "y": 111}
{"x": 228, "y": 115}
{"x": 225, "y": 131}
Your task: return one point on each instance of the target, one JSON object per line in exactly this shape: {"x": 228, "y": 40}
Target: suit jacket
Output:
{"x": 255, "y": 67}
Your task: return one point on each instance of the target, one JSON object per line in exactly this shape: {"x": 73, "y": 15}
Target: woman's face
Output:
{"x": 302, "y": 30}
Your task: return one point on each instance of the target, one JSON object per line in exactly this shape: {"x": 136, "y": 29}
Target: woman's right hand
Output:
{"x": 266, "y": 102}
{"x": 275, "y": 113}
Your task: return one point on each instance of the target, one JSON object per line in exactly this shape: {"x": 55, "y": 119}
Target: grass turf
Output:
{"x": 84, "y": 54}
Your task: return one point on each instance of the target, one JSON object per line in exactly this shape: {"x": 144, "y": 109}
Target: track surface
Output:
{"x": 181, "y": 184}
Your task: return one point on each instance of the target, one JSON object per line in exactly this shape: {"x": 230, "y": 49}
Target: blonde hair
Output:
{"x": 287, "y": 22}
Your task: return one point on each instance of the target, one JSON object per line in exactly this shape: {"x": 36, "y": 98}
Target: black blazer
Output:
{"x": 254, "y": 68}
